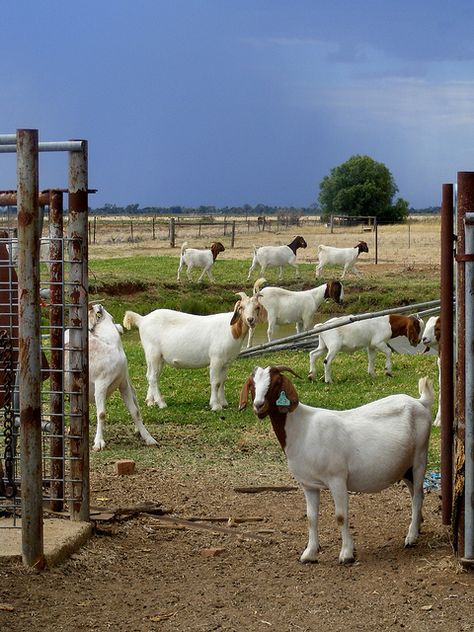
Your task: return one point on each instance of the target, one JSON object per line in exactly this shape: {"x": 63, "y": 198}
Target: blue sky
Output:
{"x": 227, "y": 102}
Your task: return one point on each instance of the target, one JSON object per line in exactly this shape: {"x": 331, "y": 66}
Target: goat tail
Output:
{"x": 257, "y": 286}
{"x": 184, "y": 246}
{"x": 131, "y": 319}
{"x": 425, "y": 388}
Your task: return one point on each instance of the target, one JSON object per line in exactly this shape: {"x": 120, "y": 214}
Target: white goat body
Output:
{"x": 372, "y": 334}
{"x": 108, "y": 372}
{"x": 277, "y": 256}
{"x": 347, "y": 257}
{"x": 365, "y": 449}
{"x": 286, "y": 306}
{"x": 195, "y": 258}
{"x": 191, "y": 341}
{"x": 431, "y": 338}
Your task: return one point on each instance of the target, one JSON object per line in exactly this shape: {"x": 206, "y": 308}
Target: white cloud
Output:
{"x": 399, "y": 101}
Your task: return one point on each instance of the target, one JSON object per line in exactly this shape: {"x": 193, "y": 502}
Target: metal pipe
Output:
{"x": 78, "y": 297}
{"x": 71, "y": 146}
{"x": 343, "y": 320}
{"x": 469, "y": 403}
{"x": 29, "y": 347}
{"x": 446, "y": 352}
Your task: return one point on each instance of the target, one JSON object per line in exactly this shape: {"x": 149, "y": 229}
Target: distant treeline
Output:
{"x": 245, "y": 210}
{"x": 258, "y": 210}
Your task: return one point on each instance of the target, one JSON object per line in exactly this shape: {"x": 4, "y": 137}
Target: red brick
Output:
{"x": 124, "y": 467}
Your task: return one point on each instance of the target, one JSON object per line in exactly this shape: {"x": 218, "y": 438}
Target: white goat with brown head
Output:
{"x": 187, "y": 341}
{"x": 195, "y": 258}
{"x": 364, "y": 449}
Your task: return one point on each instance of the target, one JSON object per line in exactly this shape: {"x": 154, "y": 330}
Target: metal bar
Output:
{"x": 78, "y": 295}
{"x": 469, "y": 404}
{"x": 465, "y": 203}
{"x": 56, "y": 318}
{"x": 332, "y": 324}
{"x": 71, "y": 146}
{"x": 446, "y": 352}
{"x": 29, "y": 347}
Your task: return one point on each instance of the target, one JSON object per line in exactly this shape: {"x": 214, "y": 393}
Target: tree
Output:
{"x": 361, "y": 186}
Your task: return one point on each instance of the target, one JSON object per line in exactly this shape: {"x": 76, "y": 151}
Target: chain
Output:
{"x": 6, "y": 354}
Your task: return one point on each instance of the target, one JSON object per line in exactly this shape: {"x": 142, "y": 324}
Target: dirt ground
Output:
{"x": 144, "y": 575}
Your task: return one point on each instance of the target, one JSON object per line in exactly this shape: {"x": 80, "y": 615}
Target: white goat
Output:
{"x": 108, "y": 371}
{"x": 194, "y": 258}
{"x": 285, "y": 306}
{"x": 277, "y": 256}
{"x": 347, "y": 257}
{"x": 190, "y": 341}
{"x": 431, "y": 338}
{"x": 364, "y": 449}
{"x": 372, "y": 334}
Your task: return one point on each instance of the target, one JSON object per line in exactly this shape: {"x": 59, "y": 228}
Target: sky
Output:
{"x": 232, "y": 102}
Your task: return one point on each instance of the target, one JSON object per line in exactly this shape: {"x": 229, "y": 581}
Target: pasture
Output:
{"x": 144, "y": 574}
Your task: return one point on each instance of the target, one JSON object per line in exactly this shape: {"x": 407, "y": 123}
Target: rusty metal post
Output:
{"x": 465, "y": 181}
{"x": 78, "y": 297}
{"x": 56, "y": 317}
{"x": 446, "y": 351}
{"x": 29, "y": 347}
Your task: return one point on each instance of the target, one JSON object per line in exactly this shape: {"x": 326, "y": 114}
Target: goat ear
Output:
{"x": 244, "y": 393}
{"x": 236, "y": 314}
{"x": 290, "y": 392}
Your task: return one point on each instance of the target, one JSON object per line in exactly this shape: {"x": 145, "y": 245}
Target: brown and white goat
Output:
{"x": 347, "y": 257}
{"x": 195, "y": 258}
{"x": 277, "y": 256}
{"x": 364, "y": 449}
{"x": 372, "y": 334}
{"x": 190, "y": 341}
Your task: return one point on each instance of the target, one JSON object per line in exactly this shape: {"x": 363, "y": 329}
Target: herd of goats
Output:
{"x": 365, "y": 449}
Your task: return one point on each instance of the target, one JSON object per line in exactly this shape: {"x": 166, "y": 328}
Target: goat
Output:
{"x": 372, "y": 334}
{"x": 194, "y": 258}
{"x": 108, "y": 371}
{"x": 431, "y": 338}
{"x": 191, "y": 341}
{"x": 347, "y": 257}
{"x": 277, "y": 256}
{"x": 285, "y": 306}
{"x": 364, "y": 449}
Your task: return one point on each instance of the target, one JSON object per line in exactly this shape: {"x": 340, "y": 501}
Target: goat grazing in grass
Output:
{"x": 285, "y": 306}
{"x": 187, "y": 341}
{"x": 347, "y": 257}
{"x": 195, "y": 258}
{"x": 372, "y": 335}
{"x": 108, "y": 371}
{"x": 364, "y": 449}
{"x": 277, "y": 256}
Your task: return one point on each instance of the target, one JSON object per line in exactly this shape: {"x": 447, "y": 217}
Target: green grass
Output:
{"x": 187, "y": 430}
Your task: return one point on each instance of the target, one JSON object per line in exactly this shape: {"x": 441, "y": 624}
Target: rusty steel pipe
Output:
{"x": 29, "y": 347}
{"x": 447, "y": 351}
{"x": 78, "y": 299}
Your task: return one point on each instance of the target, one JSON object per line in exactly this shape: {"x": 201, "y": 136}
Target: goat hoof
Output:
{"x": 388, "y": 373}
{"x": 346, "y": 561}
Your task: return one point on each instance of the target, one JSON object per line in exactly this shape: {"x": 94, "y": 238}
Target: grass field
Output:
{"x": 187, "y": 429}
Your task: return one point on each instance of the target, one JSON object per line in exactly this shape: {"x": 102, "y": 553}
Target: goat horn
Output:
{"x": 283, "y": 367}
{"x": 241, "y": 294}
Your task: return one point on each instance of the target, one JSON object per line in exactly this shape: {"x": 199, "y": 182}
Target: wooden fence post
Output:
{"x": 172, "y": 232}
{"x": 232, "y": 239}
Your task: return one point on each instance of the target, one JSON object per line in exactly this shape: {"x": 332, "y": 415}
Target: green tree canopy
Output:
{"x": 361, "y": 186}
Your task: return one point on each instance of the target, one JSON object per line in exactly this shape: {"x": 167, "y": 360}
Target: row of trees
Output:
{"x": 360, "y": 186}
